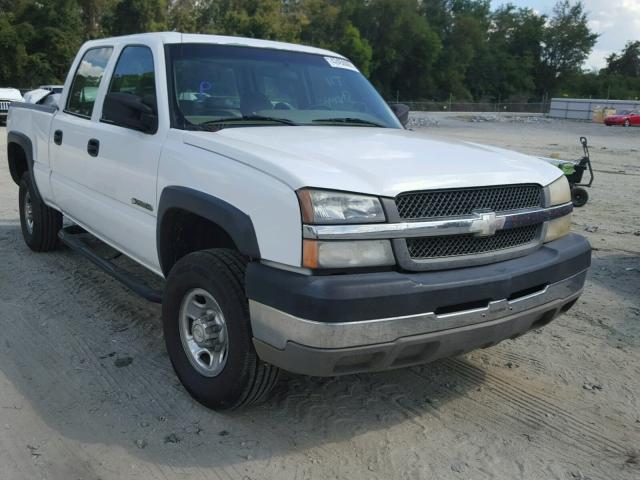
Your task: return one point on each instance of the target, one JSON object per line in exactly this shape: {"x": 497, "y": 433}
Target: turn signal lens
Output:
{"x": 344, "y": 254}
{"x": 558, "y": 228}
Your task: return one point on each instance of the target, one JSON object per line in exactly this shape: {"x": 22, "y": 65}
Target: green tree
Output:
{"x": 566, "y": 44}
{"x": 463, "y": 42}
{"x": 627, "y": 62}
{"x": 38, "y": 40}
{"x": 506, "y": 68}
{"x": 404, "y": 46}
{"x": 137, "y": 16}
{"x": 183, "y": 16}
{"x": 266, "y": 19}
{"x": 93, "y": 15}
{"x": 327, "y": 24}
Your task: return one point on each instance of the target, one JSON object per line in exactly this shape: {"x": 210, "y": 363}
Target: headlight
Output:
{"x": 345, "y": 254}
{"x": 559, "y": 192}
{"x": 327, "y": 207}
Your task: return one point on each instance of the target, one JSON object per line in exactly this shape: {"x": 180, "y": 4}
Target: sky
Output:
{"x": 617, "y": 22}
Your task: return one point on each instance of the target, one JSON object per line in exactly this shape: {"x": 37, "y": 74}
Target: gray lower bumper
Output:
{"x": 326, "y": 349}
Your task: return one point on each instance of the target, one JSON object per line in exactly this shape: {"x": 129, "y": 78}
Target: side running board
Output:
{"x": 72, "y": 237}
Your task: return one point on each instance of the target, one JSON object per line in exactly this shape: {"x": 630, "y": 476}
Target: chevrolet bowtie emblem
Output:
{"x": 486, "y": 224}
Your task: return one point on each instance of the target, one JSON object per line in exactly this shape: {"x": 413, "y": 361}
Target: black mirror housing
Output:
{"x": 402, "y": 112}
{"x": 130, "y": 111}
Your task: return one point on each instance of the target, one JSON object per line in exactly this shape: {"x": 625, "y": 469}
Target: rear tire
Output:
{"x": 627, "y": 123}
{"x": 579, "y": 196}
{"x": 207, "y": 288}
{"x": 40, "y": 223}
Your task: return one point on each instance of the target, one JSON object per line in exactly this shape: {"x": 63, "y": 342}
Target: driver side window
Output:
{"x": 133, "y": 81}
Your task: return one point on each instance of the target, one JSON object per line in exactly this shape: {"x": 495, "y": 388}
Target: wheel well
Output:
{"x": 183, "y": 232}
{"x": 17, "y": 161}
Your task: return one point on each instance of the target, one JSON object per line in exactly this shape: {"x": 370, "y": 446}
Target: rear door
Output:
{"x": 71, "y": 130}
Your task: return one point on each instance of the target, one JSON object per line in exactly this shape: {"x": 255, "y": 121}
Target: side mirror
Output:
{"x": 130, "y": 111}
{"x": 402, "y": 112}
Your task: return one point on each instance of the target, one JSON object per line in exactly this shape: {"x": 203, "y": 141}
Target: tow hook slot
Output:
{"x": 528, "y": 291}
{"x": 462, "y": 307}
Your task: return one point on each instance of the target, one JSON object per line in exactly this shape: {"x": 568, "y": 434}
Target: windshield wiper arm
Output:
{"x": 283, "y": 121}
{"x": 356, "y": 120}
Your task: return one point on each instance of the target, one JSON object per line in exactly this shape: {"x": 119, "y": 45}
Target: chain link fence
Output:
{"x": 453, "y": 106}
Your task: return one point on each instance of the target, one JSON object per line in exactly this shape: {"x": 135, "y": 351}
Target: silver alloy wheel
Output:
{"x": 28, "y": 211}
{"x": 203, "y": 332}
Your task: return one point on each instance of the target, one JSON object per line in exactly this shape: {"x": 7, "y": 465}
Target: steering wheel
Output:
{"x": 318, "y": 107}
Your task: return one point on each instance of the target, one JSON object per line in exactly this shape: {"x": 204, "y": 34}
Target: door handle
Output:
{"x": 93, "y": 147}
{"x": 57, "y": 137}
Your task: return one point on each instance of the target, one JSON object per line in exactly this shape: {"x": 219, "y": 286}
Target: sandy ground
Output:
{"x": 87, "y": 390}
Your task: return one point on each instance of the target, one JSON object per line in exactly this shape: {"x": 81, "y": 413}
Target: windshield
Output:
{"x": 221, "y": 86}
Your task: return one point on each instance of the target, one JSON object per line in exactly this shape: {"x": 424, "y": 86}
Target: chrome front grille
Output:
{"x": 432, "y": 252}
{"x": 464, "y": 201}
{"x": 4, "y": 106}
{"x": 428, "y": 248}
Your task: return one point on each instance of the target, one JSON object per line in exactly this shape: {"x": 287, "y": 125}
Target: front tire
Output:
{"x": 40, "y": 224}
{"x": 207, "y": 331}
{"x": 627, "y": 123}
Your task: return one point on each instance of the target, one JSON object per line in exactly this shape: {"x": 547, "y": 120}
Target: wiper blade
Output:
{"x": 360, "y": 121}
{"x": 259, "y": 118}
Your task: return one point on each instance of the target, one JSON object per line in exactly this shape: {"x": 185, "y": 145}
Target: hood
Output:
{"x": 377, "y": 161}
{"x": 12, "y": 94}
{"x": 35, "y": 96}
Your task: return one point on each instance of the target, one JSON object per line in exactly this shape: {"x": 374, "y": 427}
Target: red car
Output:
{"x": 626, "y": 118}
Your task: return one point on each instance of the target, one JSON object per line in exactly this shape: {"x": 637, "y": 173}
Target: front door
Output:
{"x": 124, "y": 172}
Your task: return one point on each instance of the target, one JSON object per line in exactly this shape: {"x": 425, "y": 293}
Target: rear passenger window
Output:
{"x": 84, "y": 88}
{"x": 134, "y": 74}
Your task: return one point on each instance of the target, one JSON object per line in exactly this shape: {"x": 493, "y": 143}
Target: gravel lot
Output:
{"x": 87, "y": 390}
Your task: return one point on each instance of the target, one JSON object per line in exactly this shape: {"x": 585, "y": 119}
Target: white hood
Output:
{"x": 34, "y": 96}
{"x": 377, "y": 161}
{"x": 12, "y": 94}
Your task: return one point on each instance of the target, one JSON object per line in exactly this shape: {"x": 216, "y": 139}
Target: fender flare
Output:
{"x": 25, "y": 143}
{"x": 234, "y": 221}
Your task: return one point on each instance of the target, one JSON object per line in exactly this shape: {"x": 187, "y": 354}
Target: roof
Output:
{"x": 177, "y": 37}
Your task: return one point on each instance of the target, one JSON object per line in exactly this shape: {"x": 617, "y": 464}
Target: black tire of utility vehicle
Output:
{"x": 579, "y": 196}
{"x": 244, "y": 379}
{"x": 40, "y": 228}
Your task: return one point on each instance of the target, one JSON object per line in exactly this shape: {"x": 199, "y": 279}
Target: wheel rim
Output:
{"x": 626, "y": 123}
{"x": 27, "y": 208}
{"x": 203, "y": 332}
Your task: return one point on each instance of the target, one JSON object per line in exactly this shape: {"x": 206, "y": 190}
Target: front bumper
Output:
{"x": 334, "y": 325}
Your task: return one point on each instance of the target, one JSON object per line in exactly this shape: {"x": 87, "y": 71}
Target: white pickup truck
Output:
{"x": 298, "y": 224}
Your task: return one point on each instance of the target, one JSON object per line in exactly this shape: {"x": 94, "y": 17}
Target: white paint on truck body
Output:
{"x": 255, "y": 169}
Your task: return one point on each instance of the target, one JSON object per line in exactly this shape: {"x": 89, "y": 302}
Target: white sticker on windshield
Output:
{"x": 336, "y": 62}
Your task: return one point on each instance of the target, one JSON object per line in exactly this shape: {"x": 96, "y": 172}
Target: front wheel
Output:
{"x": 627, "y": 123}
{"x": 40, "y": 224}
{"x": 207, "y": 331}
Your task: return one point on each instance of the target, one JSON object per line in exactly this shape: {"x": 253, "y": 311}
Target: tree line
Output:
{"x": 410, "y": 49}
